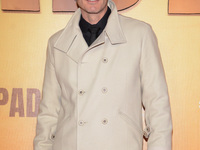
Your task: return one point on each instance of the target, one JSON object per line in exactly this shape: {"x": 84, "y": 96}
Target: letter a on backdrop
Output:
{"x": 26, "y": 5}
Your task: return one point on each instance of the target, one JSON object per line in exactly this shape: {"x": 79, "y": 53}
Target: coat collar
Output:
{"x": 113, "y": 29}
{"x": 72, "y": 42}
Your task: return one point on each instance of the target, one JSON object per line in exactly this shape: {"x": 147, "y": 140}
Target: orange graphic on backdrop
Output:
{"x": 175, "y": 6}
{"x": 70, "y": 5}
{"x": 29, "y": 5}
{"x": 58, "y": 5}
{"x": 184, "y": 6}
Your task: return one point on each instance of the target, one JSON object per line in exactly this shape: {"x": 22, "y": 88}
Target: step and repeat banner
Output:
{"x": 25, "y": 27}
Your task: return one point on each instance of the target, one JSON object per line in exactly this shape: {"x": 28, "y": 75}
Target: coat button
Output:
{"x": 145, "y": 135}
{"x": 148, "y": 129}
{"x": 104, "y": 121}
{"x": 52, "y": 137}
{"x": 81, "y": 92}
{"x": 104, "y": 90}
{"x": 81, "y": 123}
{"x": 105, "y": 60}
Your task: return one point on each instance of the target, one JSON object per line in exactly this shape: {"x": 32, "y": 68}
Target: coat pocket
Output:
{"x": 145, "y": 133}
{"x": 131, "y": 122}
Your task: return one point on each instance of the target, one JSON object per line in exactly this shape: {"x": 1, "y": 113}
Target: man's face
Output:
{"x": 88, "y": 7}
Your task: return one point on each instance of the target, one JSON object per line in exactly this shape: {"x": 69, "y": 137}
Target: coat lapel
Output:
{"x": 113, "y": 28}
{"x": 78, "y": 48}
{"x": 71, "y": 40}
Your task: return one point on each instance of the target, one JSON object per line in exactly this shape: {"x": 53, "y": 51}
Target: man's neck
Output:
{"x": 93, "y": 18}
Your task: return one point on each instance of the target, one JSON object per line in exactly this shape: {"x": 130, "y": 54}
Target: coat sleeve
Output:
{"x": 49, "y": 106}
{"x": 155, "y": 95}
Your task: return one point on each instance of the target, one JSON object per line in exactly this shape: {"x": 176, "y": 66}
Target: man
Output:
{"x": 96, "y": 84}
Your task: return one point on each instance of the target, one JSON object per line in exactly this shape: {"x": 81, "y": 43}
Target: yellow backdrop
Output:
{"x": 23, "y": 40}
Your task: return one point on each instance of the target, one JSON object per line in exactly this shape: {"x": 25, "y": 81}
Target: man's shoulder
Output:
{"x": 53, "y": 38}
{"x": 69, "y": 28}
{"x": 128, "y": 22}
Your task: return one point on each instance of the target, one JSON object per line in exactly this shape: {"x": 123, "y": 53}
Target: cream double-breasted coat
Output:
{"x": 93, "y": 96}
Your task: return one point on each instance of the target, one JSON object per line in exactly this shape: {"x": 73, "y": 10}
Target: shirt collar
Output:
{"x": 84, "y": 25}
